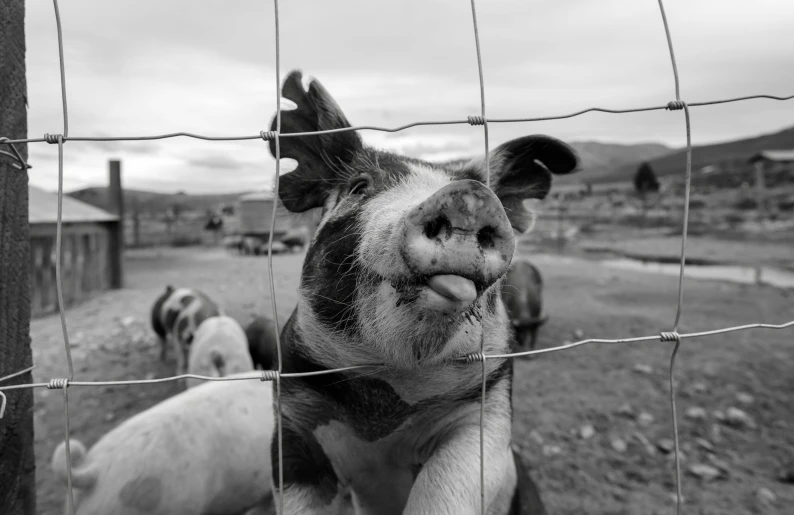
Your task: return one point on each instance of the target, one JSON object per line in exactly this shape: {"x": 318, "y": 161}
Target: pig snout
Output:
{"x": 459, "y": 239}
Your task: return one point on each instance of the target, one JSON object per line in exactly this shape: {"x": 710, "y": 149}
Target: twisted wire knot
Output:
{"x": 671, "y": 336}
{"x": 676, "y": 105}
{"x": 269, "y": 375}
{"x": 57, "y": 383}
{"x": 474, "y": 357}
{"x": 268, "y": 135}
{"x": 476, "y": 120}
{"x": 52, "y": 139}
{"x": 4, "y": 139}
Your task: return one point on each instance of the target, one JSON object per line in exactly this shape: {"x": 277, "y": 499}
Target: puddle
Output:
{"x": 730, "y": 273}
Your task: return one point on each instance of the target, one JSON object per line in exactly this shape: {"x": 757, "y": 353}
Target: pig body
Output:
{"x": 402, "y": 276}
{"x": 261, "y": 335}
{"x": 202, "y": 451}
{"x": 219, "y": 348}
{"x": 522, "y": 294}
{"x": 177, "y": 314}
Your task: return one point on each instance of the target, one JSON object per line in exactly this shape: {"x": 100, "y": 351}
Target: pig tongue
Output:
{"x": 453, "y": 287}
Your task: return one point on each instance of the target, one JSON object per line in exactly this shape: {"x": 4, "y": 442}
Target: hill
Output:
{"x": 153, "y": 202}
{"x": 612, "y": 163}
{"x": 705, "y": 155}
{"x": 601, "y": 161}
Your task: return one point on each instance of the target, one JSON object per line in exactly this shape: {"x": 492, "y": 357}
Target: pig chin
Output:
{"x": 413, "y": 327}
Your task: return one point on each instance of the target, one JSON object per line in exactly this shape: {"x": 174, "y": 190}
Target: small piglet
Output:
{"x": 522, "y": 294}
{"x": 403, "y": 278}
{"x": 176, "y": 314}
{"x": 261, "y": 334}
{"x": 202, "y": 451}
{"x": 219, "y": 349}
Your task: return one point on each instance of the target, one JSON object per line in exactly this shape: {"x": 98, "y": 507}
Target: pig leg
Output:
{"x": 179, "y": 353}
{"x": 311, "y": 486}
{"x": 164, "y": 343}
{"x": 533, "y": 338}
{"x": 449, "y": 482}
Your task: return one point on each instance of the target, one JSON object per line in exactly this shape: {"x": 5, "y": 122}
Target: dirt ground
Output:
{"x": 592, "y": 421}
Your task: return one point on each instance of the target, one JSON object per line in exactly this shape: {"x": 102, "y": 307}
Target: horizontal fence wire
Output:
{"x": 471, "y": 120}
{"x": 277, "y": 375}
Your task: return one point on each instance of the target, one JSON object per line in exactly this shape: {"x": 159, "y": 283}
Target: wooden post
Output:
{"x": 17, "y": 461}
{"x": 136, "y": 223}
{"x": 116, "y": 201}
{"x": 759, "y": 188}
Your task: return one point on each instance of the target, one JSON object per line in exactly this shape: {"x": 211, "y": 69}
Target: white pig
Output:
{"x": 219, "y": 348}
{"x": 205, "y": 450}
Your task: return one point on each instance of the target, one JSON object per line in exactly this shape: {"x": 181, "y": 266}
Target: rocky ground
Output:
{"x": 594, "y": 421}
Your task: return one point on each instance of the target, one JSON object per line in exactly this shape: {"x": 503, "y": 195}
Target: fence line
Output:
{"x": 277, "y": 375}
{"x": 471, "y": 120}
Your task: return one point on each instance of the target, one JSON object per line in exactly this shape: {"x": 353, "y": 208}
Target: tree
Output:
{"x": 17, "y": 462}
{"x": 645, "y": 182}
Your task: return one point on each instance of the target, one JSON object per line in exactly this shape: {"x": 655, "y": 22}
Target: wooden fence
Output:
{"x": 85, "y": 264}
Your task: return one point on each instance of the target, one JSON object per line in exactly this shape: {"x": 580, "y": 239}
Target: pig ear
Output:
{"x": 522, "y": 168}
{"x": 319, "y": 156}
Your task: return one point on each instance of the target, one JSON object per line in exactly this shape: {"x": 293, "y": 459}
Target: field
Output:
{"x": 593, "y": 421}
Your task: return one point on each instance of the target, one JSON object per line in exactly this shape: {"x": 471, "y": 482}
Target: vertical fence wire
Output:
{"x": 270, "y": 260}
{"x": 59, "y": 139}
{"x": 484, "y": 362}
{"x": 676, "y": 105}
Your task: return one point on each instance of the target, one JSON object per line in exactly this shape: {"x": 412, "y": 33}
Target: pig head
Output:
{"x": 403, "y": 266}
{"x": 403, "y": 271}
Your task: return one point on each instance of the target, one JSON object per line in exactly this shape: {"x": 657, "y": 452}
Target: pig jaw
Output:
{"x": 408, "y": 335}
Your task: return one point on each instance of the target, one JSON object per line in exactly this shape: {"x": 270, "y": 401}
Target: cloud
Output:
{"x": 139, "y": 67}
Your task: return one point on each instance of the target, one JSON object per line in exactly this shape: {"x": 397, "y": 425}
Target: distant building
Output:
{"x": 775, "y": 157}
{"x": 88, "y": 250}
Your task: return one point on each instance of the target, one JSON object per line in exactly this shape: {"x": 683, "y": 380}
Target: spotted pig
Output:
{"x": 176, "y": 314}
{"x": 219, "y": 349}
{"x": 202, "y": 451}
{"x": 403, "y": 273}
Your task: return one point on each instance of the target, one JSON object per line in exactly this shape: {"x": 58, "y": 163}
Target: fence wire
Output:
{"x": 277, "y": 375}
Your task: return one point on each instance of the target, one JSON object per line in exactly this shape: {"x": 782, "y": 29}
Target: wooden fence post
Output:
{"x": 17, "y": 461}
{"x": 760, "y": 189}
{"x": 116, "y": 202}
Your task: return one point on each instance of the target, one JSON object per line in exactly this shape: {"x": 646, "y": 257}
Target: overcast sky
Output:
{"x": 136, "y": 67}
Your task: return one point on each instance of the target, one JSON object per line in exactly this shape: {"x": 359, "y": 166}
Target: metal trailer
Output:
{"x": 255, "y": 214}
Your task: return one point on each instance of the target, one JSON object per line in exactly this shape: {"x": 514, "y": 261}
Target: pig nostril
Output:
{"x": 434, "y": 227}
{"x": 486, "y": 237}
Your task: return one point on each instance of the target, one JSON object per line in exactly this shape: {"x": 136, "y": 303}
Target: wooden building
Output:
{"x": 91, "y": 257}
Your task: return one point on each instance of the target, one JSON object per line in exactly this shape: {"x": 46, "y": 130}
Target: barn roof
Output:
{"x": 43, "y": 209}
{"x": 782, "y": 156}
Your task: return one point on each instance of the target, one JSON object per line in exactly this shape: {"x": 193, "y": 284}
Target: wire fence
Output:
{"x": 276, "y": 375}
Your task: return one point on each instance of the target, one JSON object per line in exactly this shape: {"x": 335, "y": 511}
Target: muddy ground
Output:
{"x": 593, "y": 420}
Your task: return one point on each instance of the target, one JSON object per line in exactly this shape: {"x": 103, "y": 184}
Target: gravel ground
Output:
{"x": 594, "y": 421}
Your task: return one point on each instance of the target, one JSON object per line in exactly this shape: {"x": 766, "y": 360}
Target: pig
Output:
{"x": 522, "y": 294}
{"x": 219, "y": 348}
{"x": 402, "y": 277}
{"x": 176, "y": 314}
{"x": 204, "y": 450}
{"x": 261, "y": 335}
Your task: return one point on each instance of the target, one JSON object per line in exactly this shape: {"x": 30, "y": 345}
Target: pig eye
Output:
{"x": 359, "y": 186}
